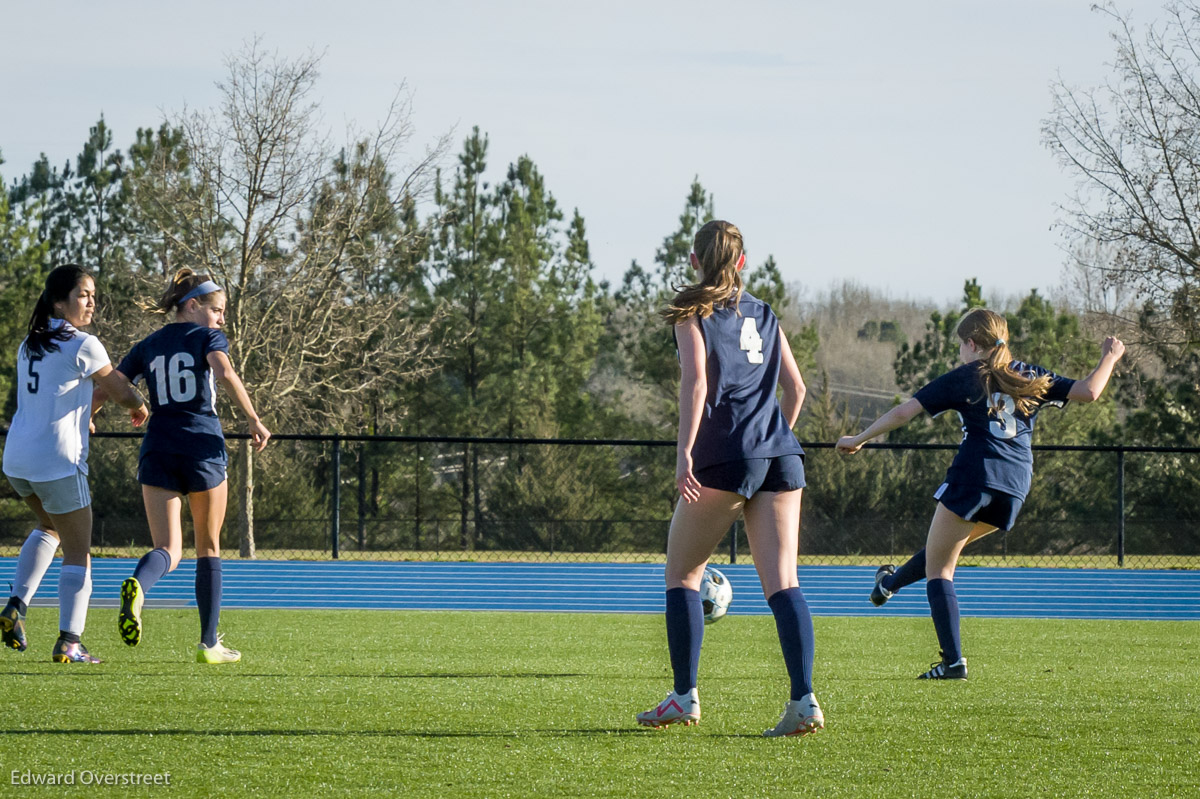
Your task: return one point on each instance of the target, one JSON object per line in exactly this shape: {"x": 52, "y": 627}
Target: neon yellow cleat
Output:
{"x": 217, "y": 653}
{"x": 129, "y": 620}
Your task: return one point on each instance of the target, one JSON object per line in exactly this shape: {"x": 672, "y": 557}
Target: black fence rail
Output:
{"x": 436, "y": 498}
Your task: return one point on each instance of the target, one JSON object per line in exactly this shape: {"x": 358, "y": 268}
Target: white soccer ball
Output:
{"x": 715, "y": 595}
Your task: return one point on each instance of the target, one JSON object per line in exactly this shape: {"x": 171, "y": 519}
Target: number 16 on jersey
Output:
{"x": 174, "y": 381}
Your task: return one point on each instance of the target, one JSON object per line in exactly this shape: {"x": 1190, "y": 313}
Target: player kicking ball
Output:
{"x": 998, "y": 399}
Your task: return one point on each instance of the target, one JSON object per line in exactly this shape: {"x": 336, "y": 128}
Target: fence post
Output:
{"x": 362, "y": 497}
{"x": 1120, "y": 507}
{"x": 733, "y": 543}
{"x": 335, "y": 531}
{"x": 466, "y": 496}
{"x": 420, "y": 472}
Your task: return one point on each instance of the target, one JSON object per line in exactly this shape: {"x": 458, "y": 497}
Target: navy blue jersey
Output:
{"x": 174, "y": 363}
{"x": 742, "y": 418}
{"x": 995, "y": 451}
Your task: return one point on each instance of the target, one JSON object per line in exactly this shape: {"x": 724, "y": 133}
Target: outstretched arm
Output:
{"x": 223, "y": 371}
{"x": 1091, "y": 387}
{"x": 693, "y": 388}
{"x": 899, "y": 416}
{"x": 110, "y": 383}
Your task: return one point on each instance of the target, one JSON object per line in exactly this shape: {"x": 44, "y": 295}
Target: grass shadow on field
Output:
{"x": 231, "y": 673}
{"x": 105, "y": 673}
{"x": 531, "y": 675}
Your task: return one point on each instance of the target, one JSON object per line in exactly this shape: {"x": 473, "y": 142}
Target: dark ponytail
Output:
{"x": 60, "y": 283}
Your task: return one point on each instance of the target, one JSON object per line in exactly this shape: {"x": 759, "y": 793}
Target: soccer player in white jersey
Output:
{"x": 183, "y": 452}
{"x": 736, "y": 456}
{"x": 997, "y": 398}
{"x": 45, "y": 453}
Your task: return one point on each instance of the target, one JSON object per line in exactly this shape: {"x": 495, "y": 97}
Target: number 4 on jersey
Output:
{"x": 750, "y": 341}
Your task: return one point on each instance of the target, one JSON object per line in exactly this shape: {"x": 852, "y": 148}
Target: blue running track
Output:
{"x": 638, "y": 588}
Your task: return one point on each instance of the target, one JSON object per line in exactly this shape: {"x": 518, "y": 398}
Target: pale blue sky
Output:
{"x": 897, "y": 144}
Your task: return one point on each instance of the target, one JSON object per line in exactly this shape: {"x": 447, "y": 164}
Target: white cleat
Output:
{"x": 800, "y": 717}
{"x": 675, "y": 709}
{"x": 217, "y": 653}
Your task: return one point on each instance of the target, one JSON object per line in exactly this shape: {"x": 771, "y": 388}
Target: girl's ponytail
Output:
{"x": 718, "y": 248}
{"x": 989, "y": 331}
{"x": 184, "y": 281}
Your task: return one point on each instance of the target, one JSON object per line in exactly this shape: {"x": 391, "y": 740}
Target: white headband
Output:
{"x": 207, "y": 287}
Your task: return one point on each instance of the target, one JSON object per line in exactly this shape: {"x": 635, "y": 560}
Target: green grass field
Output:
{"x": 541, "y": 705}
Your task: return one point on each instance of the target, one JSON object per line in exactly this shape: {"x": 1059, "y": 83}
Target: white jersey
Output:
{"x": 48, "y": 437}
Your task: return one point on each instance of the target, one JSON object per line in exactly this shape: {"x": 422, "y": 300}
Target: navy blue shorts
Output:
{"x": 179, "y": 472}
{"x": 748, "y": 477}
{"x": 980, "y": 505}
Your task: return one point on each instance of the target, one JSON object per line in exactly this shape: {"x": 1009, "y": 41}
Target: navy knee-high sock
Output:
{"x": 685, "y": 632}
{"x": 943, "y": 606}
{"x": 794, "y": 623}
{"x": 151, "y": 568}
{"x": 911, "y": 572}
{"x": 208, "y": 598}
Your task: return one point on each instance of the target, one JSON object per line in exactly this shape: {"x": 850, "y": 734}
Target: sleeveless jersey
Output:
{"x": 174, "y": 363}
{"x": 48, "y": 437}
{"x": 995, "y": 450}
{"x": 742, "y": 418}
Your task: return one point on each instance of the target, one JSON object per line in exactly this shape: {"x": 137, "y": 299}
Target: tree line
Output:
{"x": 379, "y": 285}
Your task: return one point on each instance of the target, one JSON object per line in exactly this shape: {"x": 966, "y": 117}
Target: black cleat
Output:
{"x": 879, "y": 594}
{"x": 946, "y": 671}
{"x": 12, "y": 629}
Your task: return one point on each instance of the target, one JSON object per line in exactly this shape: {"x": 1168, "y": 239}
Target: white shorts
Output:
{"x": 60, "y": 496}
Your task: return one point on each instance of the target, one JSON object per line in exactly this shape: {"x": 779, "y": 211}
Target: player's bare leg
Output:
{"x": 948, "y": 534}
{"x": 773, "y": 530}
{"x": 74, "y": 584}
{"x": 696, "y": 529}
{"x": 208, "y": 516}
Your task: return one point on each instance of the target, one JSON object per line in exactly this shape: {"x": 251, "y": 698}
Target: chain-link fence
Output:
{"x": 424, "y": 498}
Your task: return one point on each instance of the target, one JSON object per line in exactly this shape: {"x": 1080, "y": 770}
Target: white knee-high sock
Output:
{"x": 37, "y": 553}
{"x": 74, "y": 591}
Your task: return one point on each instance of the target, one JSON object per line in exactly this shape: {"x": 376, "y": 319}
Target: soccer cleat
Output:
{"x": 879, "y": 594}
{"x": 946, "y": 671}
{"x": 675, "y": 709}
{"x": 72, "y": 652}
{"x": 217, "y": 653}
{"x": 800, "y": 717}
{"x": 12, "y": 629}
{"x": 129, "y": 620}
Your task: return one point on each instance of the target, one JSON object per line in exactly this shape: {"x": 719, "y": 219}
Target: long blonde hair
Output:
{"x": 718, "y": 247}
{"x": 989, "y": 331}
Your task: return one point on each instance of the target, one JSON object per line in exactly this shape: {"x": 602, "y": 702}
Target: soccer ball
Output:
{"x": 715, "y": 595}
